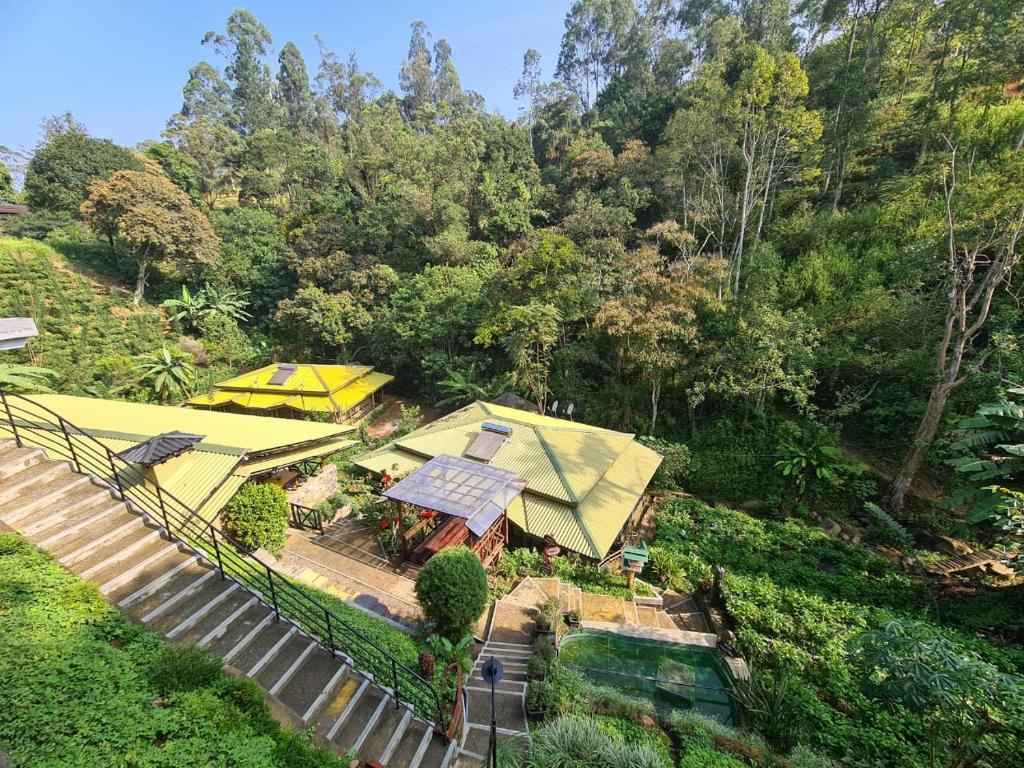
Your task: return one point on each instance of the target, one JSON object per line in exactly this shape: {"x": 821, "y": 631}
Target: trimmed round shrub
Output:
{"x": 257, "y": 517}
{"x": 452, "y": 590}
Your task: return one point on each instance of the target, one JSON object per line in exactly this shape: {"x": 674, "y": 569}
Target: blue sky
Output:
{"x": 119, "y": 66}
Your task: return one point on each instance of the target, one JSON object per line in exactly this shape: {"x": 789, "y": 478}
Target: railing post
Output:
{"x": 394, "y": 681}
{"x": 330, "y": 632}
{"x": 273, "y": 592}
{"x": 216, "y": 550}
{"x": 319, "y": 520}
{"x": 71, "y": 445}
{"x": 163, "y": 511}
{"x": 10, "y": 420}
{"x": 117, "y": 477}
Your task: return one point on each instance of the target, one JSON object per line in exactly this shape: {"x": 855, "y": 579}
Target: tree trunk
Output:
{"x": 140, "y": 282}
{"x": 655, "y": 396}
{"x": 897, "y": 493}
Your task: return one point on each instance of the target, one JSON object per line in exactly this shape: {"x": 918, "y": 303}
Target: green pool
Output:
{"x": 670, "y": 675}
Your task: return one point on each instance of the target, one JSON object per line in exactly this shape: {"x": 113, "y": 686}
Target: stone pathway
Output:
{"x": 368, "y": 584}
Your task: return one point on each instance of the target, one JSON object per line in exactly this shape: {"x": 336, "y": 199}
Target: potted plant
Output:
{"x": 544, "y": 623}
{"x": 537, "y": 668}
{"x": 539, "y": 698}
{"x": 572, "y": 618}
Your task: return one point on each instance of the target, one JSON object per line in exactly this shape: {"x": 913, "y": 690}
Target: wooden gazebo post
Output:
{"x": 401, "y": 528}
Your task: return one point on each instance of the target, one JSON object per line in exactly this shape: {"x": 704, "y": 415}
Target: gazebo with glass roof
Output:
{"x": 457, "y": 501}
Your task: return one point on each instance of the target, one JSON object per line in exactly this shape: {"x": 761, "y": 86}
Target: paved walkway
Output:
{"x": 368, "y": 584}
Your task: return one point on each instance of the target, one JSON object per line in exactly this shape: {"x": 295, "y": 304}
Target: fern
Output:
{"x": 894, "y": 531}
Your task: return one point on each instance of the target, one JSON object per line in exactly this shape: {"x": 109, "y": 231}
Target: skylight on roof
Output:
{"x": 284, "y": 372}
{"x": 485, "y": 445}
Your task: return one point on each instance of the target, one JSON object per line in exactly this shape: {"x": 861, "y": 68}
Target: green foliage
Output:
{"x": 452, "y": 590}
{"x": 60, "y": 172}
{"x": 88, "y": 332}
{"x": 576, "y": 740}
{"x": 796, "y": 620}
{"x": 15, "y": 377}
{"x": 257, "y": 517}
{"x": 182, "y": 668}
{"x": 517, "y": 563}
{"x": 675, "y": 463}
{"x": 170, "y": 373}
{"x": 76, "y": 684}
{"x": 891, "y": 531}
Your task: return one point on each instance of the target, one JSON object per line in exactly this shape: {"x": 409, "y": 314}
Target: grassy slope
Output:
{"x": 89, "y": 331}
{"x": 76, "y": 690}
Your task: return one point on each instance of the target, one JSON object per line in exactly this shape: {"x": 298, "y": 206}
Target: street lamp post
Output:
{"x": 491, "y": 672}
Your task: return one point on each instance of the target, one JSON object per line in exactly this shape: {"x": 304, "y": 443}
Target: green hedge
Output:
{"x": 257, "y": 517}
{"x": 77, "y": 686}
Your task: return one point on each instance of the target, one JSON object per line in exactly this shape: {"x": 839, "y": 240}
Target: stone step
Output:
{"x": 157, "y": 559}
{"x": 300, "y": 688}
{"x": 14, "y": 459}
{"x": 147, "y": 591}
{"x": 332, "y": 718}
{"x": 32, "y": 497}
{"x": 36, "y": 474}
{"x": 265, "y": 647}
{"x": 89, "y": 545}
{"x": 365, "y": 711}
{"x": 413, "y": 747}
{"x": 373, "y": 744}
{"x": 62, "y": 522}
{"x": 124, "y": 554}
{"x": 164, "y": 606}
{"x": 192, "y": 615}
{"x": 48, "y": 514}
{"x": 397, "y": 736}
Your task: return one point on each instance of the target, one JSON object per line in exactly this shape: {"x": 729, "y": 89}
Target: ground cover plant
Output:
{"x": 80, "y": 685}
{"x": 800, "y": 601}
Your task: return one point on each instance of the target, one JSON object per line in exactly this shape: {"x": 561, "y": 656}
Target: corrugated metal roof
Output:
{"x": 310, "y": 389}
{"x": 582, "y": 482}
{"x": 249, "y": 434}
{"x": 266, "y": 463}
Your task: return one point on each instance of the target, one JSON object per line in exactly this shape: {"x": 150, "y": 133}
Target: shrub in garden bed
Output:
{"x": 452, "y": 590}
{"x": 547, "y": 617}
{"x": 257, "y": 517}
{"x": 544, "y": 656}
{"x": 573, "y": 740}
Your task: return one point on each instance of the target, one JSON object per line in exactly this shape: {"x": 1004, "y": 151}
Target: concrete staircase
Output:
{"x": 169, "y": 590}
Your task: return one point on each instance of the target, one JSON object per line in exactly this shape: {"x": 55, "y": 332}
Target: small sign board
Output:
{"x": 632, "y": 566}
{"x": 640, "y": 553}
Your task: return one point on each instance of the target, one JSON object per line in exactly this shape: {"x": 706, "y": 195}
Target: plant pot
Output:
{"x": 536, "y": 715}
{"x": 571, "y": 620}
{"x": 538, "y": 631}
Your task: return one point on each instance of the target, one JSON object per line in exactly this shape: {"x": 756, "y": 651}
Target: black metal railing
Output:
{"x": 34, "y": 425}
{"x": 305, "y": 518}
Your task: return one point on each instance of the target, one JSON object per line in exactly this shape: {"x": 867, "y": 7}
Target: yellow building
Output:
{"x": 583, "y": 483}
{"x": 217, "y": 452}
{"x": 342, "y": 393}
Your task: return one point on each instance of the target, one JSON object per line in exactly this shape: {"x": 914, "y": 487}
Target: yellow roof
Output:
{"x": 234, "y": 446}
{"x": 310, "y": 389}
{"x": 312, "y": 379}
{"x": 582, "y": 481}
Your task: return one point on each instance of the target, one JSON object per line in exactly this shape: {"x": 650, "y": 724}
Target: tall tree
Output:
{"x": 593, "y": 45}
{"x": 528, "y": 88}
{"x": 343, "y": 85}
{"x": 528, "y": 333}
{"x": 982, "y": 223}
{"x": 416, "y": 78}
{"x": 294, "y": 92}
{"x": 245, "y": 46}
{"x": 153, "y": 219}
{"x": 60, "y": 171}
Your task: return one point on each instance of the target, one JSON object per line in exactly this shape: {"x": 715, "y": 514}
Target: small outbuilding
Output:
{"x": 343, "y": 393}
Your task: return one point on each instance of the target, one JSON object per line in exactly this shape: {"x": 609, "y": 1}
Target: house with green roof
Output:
{"x": 582, "y": 483}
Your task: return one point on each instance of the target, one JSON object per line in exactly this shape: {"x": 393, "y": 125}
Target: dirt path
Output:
{"x": 388, "y": 422}
{"x": 925, "y": 487}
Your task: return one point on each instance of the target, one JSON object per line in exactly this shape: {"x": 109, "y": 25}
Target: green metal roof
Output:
{"x": 582, "y": 482}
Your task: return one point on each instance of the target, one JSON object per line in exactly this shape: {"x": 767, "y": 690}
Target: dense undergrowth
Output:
{"x": 80, "y": 685}
{"x": 799, "y": 601}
